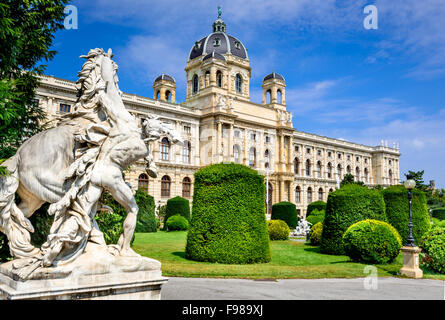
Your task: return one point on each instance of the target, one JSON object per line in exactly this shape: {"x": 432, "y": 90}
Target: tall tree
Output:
{"x": 418, "y": 177}
{"x": 349, "y": 179}
{"x": 27, "y": 30}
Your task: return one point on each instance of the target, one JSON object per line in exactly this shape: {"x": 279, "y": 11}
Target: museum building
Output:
{"x": 219, "y": 123}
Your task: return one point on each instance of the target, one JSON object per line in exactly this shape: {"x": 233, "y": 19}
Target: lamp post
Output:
{"x": 410, "y": 184}
{"x": 267, "y": 190}
{"x": 410, "y": 250}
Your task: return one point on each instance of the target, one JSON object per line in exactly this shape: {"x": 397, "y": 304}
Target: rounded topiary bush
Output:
{"x": 433, "y": 245}
{"x": 177, "y": 205}
{"x": 316, "y": 216}
{"x": 278, "y": 230}
{"x": 372, "y": 241}
{"x": 315, "y": 233}
{"x": 346, "y": 206}
{"x": 316, "y": 205}
{"x": 228, "y": 223}
{"x": 397, "y": 211}
{"x": 177, "y": 223}
{"x": 286, "y": 211}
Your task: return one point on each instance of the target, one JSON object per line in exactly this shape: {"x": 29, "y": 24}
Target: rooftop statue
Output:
{"x": 70, "y": 166}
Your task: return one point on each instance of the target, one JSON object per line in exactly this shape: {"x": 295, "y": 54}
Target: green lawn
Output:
{"x": 290, "y": 259}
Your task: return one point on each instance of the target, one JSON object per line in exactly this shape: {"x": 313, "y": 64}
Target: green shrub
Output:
{"x": 441, "y": 223}
{"x": 397, "y": 211}
{"x": 228, "y": 223}
{"x": 433, "y": 244}
{"x": 315, "y": 233}
{"x": 286, "y": 211}
{"x": 177, "y": 223}
{"x": 177, "y": 205}
{"x": 372, "y": 241}
{"x": 346, "y": 206}
{"x": 438, "y": 213}
{"x": 146, "y": 221}
{"x": 316, "y": 216}
{"x": 316, "y": 205}
{"x": 278, "y": 230}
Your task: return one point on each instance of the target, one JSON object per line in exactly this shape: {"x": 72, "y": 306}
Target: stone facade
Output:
{"x": 220, "y": 124}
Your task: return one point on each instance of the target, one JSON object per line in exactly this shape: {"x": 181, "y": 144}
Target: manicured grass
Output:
{"x": 290, "y": 259}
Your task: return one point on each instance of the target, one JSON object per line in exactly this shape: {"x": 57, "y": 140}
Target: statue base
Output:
{"x": 410, "y": 267}
{"x": 95, "y": 275}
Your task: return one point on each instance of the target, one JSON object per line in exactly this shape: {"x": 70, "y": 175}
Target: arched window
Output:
{"x": 329, "y": 170}
{"x": 339, "y": 173}
{"x": 297, "y": 194}
{"x": 279, "y": 97}
{"x": 320, "y": 194}
{"x": 331, "y": 190}
{"x": 309, "y": 195}
{"x": 252, "y": 157}
{"x": 357, "y": 174}
{"x": 308, "y": 167}
{"x": 238, "y": 83}
{"x": 318, "y": 169}
{"x": 348, "y": 169}
{"x": 186, "y": 187}
{"x": 168, "y": 95}
{"x": 165, "y": 149}
{"x": 165, "y": 186}
{"x": 219, "y": 79}
{"x": 143, "y": 182}
{"x": 186, "y": 150}
{"x": 366, "y": 174}
{"x": 267, "y": 158}
{"x": 268, "y": 96}
{"x": 269, "y": 198}
{"x": 158, "y": 95}
{"x": 390, "y": 176}
{"x": 236, "y": 153}
{"x": 296, "y": 166}
{"x": 207, "y": 78}
{"x": 195, "y": 84}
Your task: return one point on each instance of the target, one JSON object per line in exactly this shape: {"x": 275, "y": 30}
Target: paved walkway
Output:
{"x": 239, "y": 289}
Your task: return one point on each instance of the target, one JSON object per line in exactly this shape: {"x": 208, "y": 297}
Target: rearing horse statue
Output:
{"x": 71, "y": 165}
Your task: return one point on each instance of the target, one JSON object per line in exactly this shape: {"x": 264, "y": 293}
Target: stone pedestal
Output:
{"x": 411, "y": 262}
{"x": 96, "y": 274}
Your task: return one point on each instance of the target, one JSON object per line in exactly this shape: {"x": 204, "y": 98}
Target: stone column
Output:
{"x": 282, "y": 191}
{"x": 162, "y": 94}
{"x": 230, "y": 144}
{"x": 219, "y": 139}
{"x": 274, "y": 95}
{"x": 173, "y": 96}
{"x": 212, "y": 76}
{"x": 245, "y": 160}
{"x": 282, "y": 161}
{"x": 291, "y": 192}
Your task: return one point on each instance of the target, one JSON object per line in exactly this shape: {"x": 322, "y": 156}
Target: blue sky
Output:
{"x": 343, "y": 81}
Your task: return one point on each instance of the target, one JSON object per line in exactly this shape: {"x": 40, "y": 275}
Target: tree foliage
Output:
{"x": 349, "y": 179}
{"x": 26, "y": 34}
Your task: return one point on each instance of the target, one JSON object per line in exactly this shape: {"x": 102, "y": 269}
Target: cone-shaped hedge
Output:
{"x": 319, "y": 205}
{"x": 177, "y": 205}
{"x": 346, "y": 206}
{"x": 286, "y": 211}
{"x": 397, "y": 211}
{"x": 146, "y": 221}
{"x": 228, "y": 223}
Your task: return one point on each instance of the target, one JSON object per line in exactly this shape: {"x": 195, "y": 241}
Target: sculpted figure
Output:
{"x": 71, "y": 165}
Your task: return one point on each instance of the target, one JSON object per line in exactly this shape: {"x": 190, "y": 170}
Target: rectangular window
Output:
{"x": 187, "y": 129}
{"x": 64, "y": 108}
{"x": 308, "y": 150}
{"x": 253, "y": 136}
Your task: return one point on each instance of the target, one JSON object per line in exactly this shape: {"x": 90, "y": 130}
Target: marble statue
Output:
{"x": 70, "y": 166}
{"x": 302, "y": 228}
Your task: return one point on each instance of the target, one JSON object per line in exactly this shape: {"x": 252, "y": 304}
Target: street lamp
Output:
{"x": 410, "y": 251}
{"x": 267, "y": 188}
{"x": 410, "y": 184}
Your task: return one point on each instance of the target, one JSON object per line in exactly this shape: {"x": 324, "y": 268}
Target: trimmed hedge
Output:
{"x": 316, "y": 205}
{"x": 146, "y": 221}
{"x": 177, "y": 223}
{"x": 397, "y": 211}
{"x": 228, "y": 223}
{"x": 438, "y": 213}
{"x": 315, "y": 233}
{"x": 433, "y": 245}
{"x": 286, "y": 211}
{"x": 316, "y": 216}
{"x": 177, "y": 205}
{"x": 346, "y": 206}
{"x": 372, "y": 241}
{"x": 278, "y": 230}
